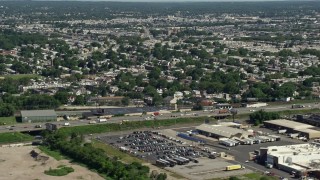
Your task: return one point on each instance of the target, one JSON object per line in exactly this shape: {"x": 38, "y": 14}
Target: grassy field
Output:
{"x": 251, "y": 176}
{"x": 14, "y": 137}
{"x": 56, "y": 155}
{"x": 7, "y": 120}
{"x": 19, "y": 76}
{"x": 113, "y": 152}
{"x": 60, "y": 171}
{"x": 103, "y": 128}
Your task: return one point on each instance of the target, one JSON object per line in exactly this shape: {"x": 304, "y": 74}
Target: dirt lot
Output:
{"x": 16, "y": 164}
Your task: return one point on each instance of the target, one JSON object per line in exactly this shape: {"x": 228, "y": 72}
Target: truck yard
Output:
{"x": 175, "y": 154}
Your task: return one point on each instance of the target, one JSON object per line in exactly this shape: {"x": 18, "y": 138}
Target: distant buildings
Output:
{"x": 299, "y": 159}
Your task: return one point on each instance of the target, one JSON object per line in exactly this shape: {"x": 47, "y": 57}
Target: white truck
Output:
{"x": 282, "y": 131}
{"x": 100, "y": 120}
{"x": 294, "y": 135}
{"x": 66, "y": 124}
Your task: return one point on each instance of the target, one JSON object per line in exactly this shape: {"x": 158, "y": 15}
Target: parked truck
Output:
{"x": 66, "y": 124}
{"x": 100, "y": 120}
{"x": 38, "y": 126}
{"x": 294, "y": 135}
{"x": 295, "y": 106}
{"x": 282, "y": 131}
{"x": 234, "y": 167}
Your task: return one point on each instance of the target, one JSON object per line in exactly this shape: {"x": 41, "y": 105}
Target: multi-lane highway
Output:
{"x": 31, "y": 126}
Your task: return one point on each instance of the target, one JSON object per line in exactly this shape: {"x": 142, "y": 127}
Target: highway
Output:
{"x": 24, "y": 127}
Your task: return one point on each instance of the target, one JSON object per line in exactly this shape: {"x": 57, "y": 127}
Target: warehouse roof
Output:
{"x": 298, "y": 156}
{"x": 223, "y": 131}
{"x": 309, "y": 130}
{"x": 289, "y": 124}
{"x": 39, "y": 113}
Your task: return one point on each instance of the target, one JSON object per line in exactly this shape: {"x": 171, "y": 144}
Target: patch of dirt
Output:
{"x": 16, "y": 164}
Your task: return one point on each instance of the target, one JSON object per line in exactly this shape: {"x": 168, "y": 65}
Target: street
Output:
{"x": 23, "y": 127}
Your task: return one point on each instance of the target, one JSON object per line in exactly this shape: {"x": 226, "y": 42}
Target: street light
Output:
{"x": 233, "y": 112}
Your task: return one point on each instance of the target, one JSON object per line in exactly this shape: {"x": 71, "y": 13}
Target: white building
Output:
{"x": 299, "y": 158}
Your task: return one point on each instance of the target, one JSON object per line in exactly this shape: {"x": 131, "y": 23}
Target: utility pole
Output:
{"x": 233, "y": 112}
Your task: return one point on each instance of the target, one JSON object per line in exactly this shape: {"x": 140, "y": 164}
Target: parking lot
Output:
{"x": 242, "y": 153}
{"x": 153, "y": 145}
{"x": 191, "y": 161}
{"x": 208, "y": 169}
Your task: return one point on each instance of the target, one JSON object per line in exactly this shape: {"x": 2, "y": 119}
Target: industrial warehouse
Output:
{"x": 220, "y": 131}
{"x": 299, "y": 159}
{"x": 301, "y": 129}
{"x": 37, "y": 116}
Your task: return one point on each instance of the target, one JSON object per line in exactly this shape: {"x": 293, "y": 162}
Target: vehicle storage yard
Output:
{"x": 188, "y": 157}
{"x": 175, "y": 154}
{"x": 153, "y": 145}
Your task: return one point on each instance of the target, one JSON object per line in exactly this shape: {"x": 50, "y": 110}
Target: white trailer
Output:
{"x": 227, "y": 143}
{"x": 282, "y": 131}
{"x": 256, "y": 105}
{"x": 66, "y": 124}
{"x": 100, "y": 120}
{"x": 294, "y": 135}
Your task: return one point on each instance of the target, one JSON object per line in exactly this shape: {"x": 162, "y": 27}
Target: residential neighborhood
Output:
{"x": 126, "y": 76}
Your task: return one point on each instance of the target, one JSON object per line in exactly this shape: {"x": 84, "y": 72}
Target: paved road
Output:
{"x": 31, "y": 126}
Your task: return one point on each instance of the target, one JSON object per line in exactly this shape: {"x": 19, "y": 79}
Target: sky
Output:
{"x": 191, "y": 0}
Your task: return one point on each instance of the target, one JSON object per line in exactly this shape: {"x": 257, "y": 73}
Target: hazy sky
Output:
{"x": 193, "y": 0}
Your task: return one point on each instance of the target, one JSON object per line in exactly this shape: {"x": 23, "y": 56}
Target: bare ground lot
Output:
{"x": 16, "y": 164}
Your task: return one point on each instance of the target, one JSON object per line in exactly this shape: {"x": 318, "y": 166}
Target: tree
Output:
{"x": 155, "y": 73}
{"x": 80, "y": 100}
{"x": 6, "y": 110}
{"x": 286, "y": 90}
{"x": 62, "y": 97}
{"x": 231, "y": 88}
{"x": 260, "y": 116}
{"x": 125, "y": 101}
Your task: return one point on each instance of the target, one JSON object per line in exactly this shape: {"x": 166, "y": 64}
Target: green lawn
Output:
{"x": 113, "y": 152}
{"x": 60, "y": 171}
{"x": 14, "y": 137}
{"x": 103, "y": 128}
{"x": 19, "y": 76}
{"x": 56, "y": 155}
{"x": 7, "y": 120}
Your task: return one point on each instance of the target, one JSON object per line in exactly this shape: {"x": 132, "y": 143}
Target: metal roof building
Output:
{"x": 287, "y": 124}
{"x": 307, "y": 130}
{"x": 219, "y": 131}
{"x": 38, "y": 115}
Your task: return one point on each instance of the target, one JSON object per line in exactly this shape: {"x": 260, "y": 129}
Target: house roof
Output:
{"x": 39, "y": 113}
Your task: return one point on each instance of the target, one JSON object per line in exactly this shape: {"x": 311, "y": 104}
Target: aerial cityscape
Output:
{"x": 160, "y": 90}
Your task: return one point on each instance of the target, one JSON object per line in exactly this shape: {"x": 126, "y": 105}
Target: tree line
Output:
{"x": 111, "y": 168}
